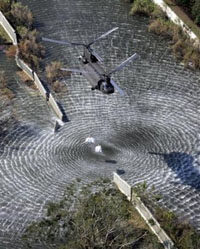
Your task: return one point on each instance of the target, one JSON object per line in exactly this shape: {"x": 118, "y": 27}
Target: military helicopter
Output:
{"x": 90, "y": 66}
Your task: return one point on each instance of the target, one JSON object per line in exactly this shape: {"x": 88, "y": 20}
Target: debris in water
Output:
{"x": 89, "y": 140}
{"x": 98, "y": 149}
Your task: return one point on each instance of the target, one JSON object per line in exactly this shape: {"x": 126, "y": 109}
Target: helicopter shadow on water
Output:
{"x": 183, "y": 165}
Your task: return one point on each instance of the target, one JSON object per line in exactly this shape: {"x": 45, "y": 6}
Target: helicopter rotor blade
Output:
{"x": 102, "y": 36}
{"x": 72, "y": 70}
{"x": 63, "y": 42}
{"x": 117, "y": 87}
{"x": 118, "y": 68}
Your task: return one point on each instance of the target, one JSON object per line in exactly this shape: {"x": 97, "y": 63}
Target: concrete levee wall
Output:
{"x": 24, "y": 67}
{"x": 20, "y": 63}
{"x": 9, "y": 29}
{"x": 1, "y": 17}
{"x": 125, "y": 188}
{"x": 177, "y": 20}
{"x": 55, "y": 107}
{"x": 40, "y": 85}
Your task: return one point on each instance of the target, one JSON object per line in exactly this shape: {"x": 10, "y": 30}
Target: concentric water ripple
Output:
{"x": 151, "y": 134}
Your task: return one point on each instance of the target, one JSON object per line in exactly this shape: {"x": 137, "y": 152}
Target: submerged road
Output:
{"x": 151, "y": 134}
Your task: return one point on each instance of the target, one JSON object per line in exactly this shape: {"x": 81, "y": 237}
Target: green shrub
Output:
{"x": 4, "y": 90}
{"x": 22, "y": 15}
{"x": 8, "y": 93}
{"x": 31, "y": 50}
{"x": 151, "y": 222}
{"x": 182, "y": 233}
{"x": 177, "y": 33}
{"x": 57, "y": 86}
{"x": 182, "y": 48}
{"x": 54, "y": 74}
{"x": 192, "y": 58}
{"x": 11, "y": 51}
{"x": 142, "y": 7}
{"x": 4, "y": 38}
{"x": 159, "y": 13}
{"x": 183, "y": 2}
{"x": 53, "y": 71}
{"x": 161, "y": 27}
{"x": 196, "y": 12}
{"x": 85, "y": 218}
{"x": 22, "y": 31}
{"x": 3, "y": 82}
{"x": 5, "y": 6}
{"x": 179, "y": 48}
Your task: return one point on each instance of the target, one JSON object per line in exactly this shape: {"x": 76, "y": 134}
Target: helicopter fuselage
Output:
{"x": 94, "y": 73}
{"x": 90, "y": 65}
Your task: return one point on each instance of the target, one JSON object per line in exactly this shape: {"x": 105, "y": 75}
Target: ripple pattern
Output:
{"x": 151, "y": 134}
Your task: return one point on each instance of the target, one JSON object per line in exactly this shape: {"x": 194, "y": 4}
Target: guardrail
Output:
{"x": 126, "y": 189}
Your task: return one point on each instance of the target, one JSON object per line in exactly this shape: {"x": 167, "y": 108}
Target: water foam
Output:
{"x": 90, "y": 140}
{"x": 98, "y": 149}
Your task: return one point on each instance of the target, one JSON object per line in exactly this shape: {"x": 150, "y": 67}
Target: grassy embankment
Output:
{"x": 181, "y": 45}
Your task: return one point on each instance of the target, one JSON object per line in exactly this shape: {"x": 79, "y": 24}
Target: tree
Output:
{"x": 196, "y": 12}
{"x": 22, "y": 15}
{"x": 30, "y": 49}
{"x": 5, "y": 5}
{"x": 53, "y": 71}
{"x": 183, "y": 2}
{"x": 142, "y": 7}
{"x": 54, "y": 75}
{"x": 96, "y": 216}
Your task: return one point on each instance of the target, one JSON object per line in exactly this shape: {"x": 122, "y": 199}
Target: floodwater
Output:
{"x": 152, "y": 133}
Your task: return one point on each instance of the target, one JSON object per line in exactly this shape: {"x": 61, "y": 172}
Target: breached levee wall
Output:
{"x": 126, "y": 189}
{"x": 26, "y": 69}
{"x": 177, "y": 20}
